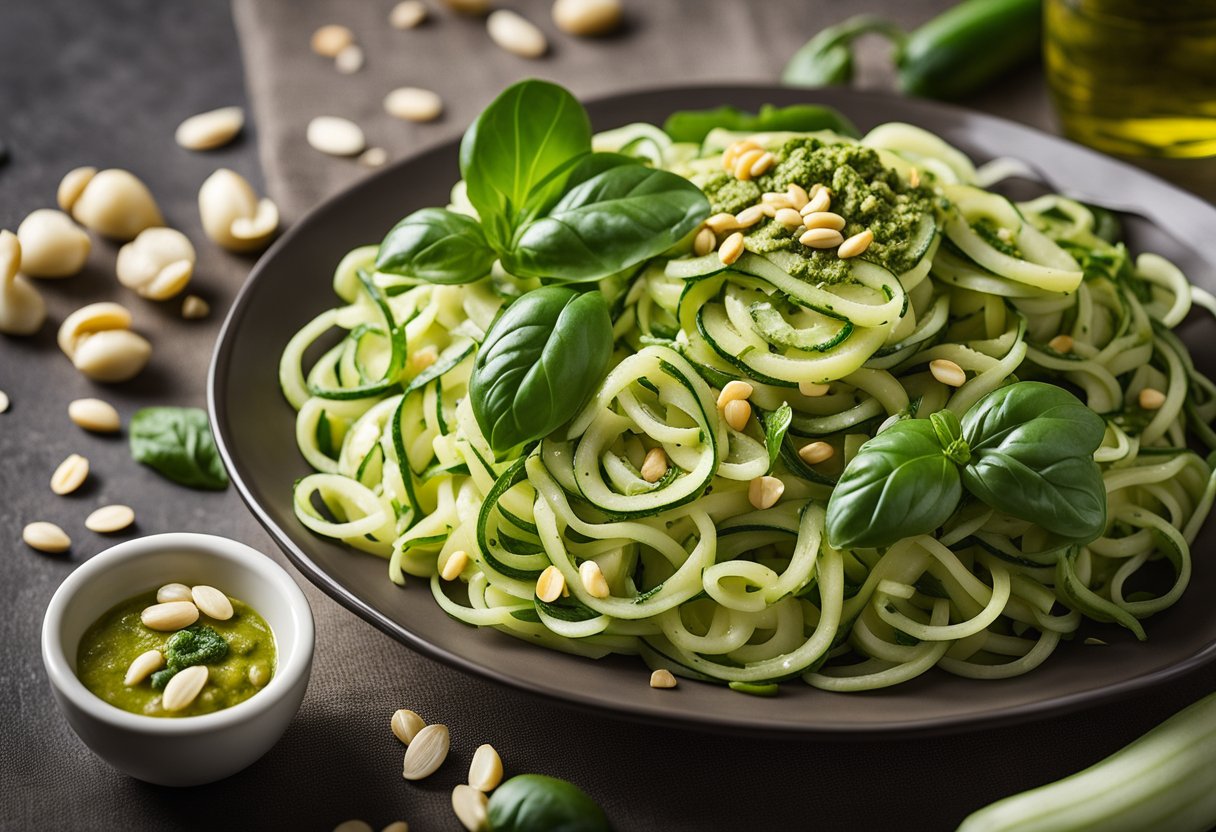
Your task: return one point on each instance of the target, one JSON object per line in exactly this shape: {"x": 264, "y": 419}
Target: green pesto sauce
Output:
{"x": 864, "y": 191}
{"x": 118, "y": 636}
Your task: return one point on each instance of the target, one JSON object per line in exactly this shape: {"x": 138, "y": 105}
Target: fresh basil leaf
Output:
{"x": 899, "y": 484}
{"x": 1032, "y": 447}
{"x": 615, "y": 218}
{"x": 437, "y": 246}
{"x": 177, "y": 442}
{"x": 540, "y": 361}
{"x": 695, "y": 125}
{"x": 529, "y": 131}
{"x": 776, "y": 424}
{"x": 529, "y": 802}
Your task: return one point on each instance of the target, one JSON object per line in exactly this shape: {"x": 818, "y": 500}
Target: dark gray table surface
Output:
{"x": 105, "y": 83}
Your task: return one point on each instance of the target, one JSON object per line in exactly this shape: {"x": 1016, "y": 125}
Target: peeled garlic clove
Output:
{"x": 52, "y": 245}
{"x": 22, "y": 309}
{"x": 113, "y": 355}
{"x": 72, "y": 185}
{"x": 89, "y": 319}
{"x": 115, "y": 204}
{"x": 226, "y": 197}
{"x": 157, "y": 264}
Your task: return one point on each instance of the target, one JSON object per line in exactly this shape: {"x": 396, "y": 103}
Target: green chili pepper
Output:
{"x": 827, "y": 58}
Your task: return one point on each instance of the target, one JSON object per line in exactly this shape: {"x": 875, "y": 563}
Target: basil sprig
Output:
{"x": 547, "y": 206}
{"x": 1026, "y": 449}
{"x": 541, "y": 360}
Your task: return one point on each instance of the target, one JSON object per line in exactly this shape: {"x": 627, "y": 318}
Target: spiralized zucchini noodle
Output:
{"x": 701, "y": 582}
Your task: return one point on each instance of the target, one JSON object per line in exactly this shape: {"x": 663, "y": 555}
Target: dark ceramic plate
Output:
{"x": 291, "y": 284}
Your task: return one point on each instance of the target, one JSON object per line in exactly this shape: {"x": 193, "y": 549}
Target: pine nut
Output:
{"x": 820, "y": 200}
{"x": 816, "y": 452}
{"x": 52, "y": 245}
{"x": 720, "y": 223}
{"x": 174, "y": 592}
{"x": 143, "y": 665}
{"x": 373, "y": 157}
{"x": 407, "y": 14}
{"x": 813, "y": 390}
{"x": 110, "y": 519}
{"x": 406, "y": 724}
{"x": 211, "y": 602}
{"x": 747, "y": 159}
{"x": 593, "y": 579}
{"x": 914, "y": 178}
{"x": 46, "y": 537}
{"x": 349, "y": 60}
{"x": 195, "y": 308}
{"x": 947, "y": 372}
{"x": 70, "y": 475}
{"x": 733, "y": 391}
{"x": 471, "y": 808}
{"x": 798, "y": 196}
{"x": 737, "y": 413}
{"x": 550, "y": 584}
{"x": 485, "y": 772}
{"x": 184, "y": 687}
{"x": 114, "y": 355}
{"x": 1062, "y": 344}
{"x": 232, "y": 215}
{"x": 735, "y": 150}
{"x": 329, "y": 40}
{"x": 95, "y": 415}
{"x": 423, "y": 358}
{"x": 788, "y": 217}
{"x": 335, "y": 136}
{"x": 731, "y": 249}
{"x": 824, "y": 219}
{"x": 207, "y": 131}
{"x": 413, "y": 104}
{"x": 749, "y": 216}
{"x": 259, "y": 675}
{"x": 768, "y": 210}
{"x": 426, "y": 752}
{"x": 4, "y": 402}
{"x": 762, "y": 165}
{"x": 704, "y": 242}
{"x": 114, "y": 203}
{"x": 516, "y": 34}
{"x": 662, "y": 678}
{"x": 587, "y": 18}
{"x": 777, "y": 200}
{"x": 157, "y": 264}
{"x": 171, "y": 615}
{"x": 454, "y": 565}
{"x": 764, "y": 492}
{"x": 655, "y": 465}
{"x": 821, "y": 238}
{"x": 1151, "y": 399}
{"x": 855, "y": 245}
{"x": 22, "y": 309}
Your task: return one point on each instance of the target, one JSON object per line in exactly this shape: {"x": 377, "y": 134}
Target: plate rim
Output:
{"x": 638, "y": 710}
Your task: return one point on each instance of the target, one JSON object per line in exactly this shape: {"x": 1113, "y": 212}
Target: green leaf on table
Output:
{"x": 616, "y": 214}
{"x": 177, "y": 443}
{"x": 437, "y": 246}
{"x": 541, "y": 360}
{"x": 509, "y": 155}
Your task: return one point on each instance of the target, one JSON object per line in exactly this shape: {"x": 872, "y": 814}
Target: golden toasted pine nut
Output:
{"x": 550, "y": 584}
{"x": 821, "y": 200}
{"x": 816, "y": 452}
{"x": 749, "y": 216}
{"x": 823, "y": 219}
{"x": 593, "y": 579}
{"x": 732, "y": 153}
{"x": 1151, "y": 399}
{"x": 764, "y": 492}
{"x": 731, "y": 248}
{"x": 777, "y": 200}
{"x": 737, "y": 413}
{"x": 821, "y": 238}
{"x": 1062, "y": 343}
{"x": 788, "y": 217}
{"x": 947, "y": 372}
{"x": 745, "y": 162}
{"x": 454, "y": 565}
{"x": 720, "y": 223}
{"x": 662, "y": 678}
{"x": 914, "y": 178}
{"x": 761, "y": 165}
{"x": 798, "y": 196}
{"x": 734, "y": 390}
{"x": 655, "y": 465}
{"x": 855, "y": 245}
{"x": 704, "y": 242}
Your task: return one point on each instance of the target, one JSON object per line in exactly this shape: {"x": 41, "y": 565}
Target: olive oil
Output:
{"x": 1135, "y": 77}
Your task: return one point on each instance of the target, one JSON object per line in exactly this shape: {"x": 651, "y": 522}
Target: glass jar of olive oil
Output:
{"x": 1135, "y": 77}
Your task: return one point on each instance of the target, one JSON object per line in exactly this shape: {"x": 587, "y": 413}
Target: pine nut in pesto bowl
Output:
{"x": 195, "y": 744}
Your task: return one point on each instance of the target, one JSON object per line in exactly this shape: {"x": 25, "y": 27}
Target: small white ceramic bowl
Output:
{"x": 179, "y": 751}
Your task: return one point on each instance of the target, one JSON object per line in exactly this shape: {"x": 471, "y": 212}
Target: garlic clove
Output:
{"x": 22, "y": 310}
